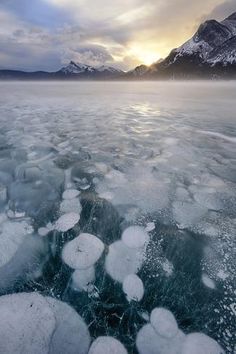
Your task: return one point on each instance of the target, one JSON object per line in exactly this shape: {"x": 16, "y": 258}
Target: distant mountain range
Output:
{"x": 210, "y": 53}
{"x": 72, "y": 71}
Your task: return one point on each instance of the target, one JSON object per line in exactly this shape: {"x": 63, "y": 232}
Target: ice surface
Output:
{"x": 83, "y": 251}
{"x": 160, "y": 156}
{"x": 133, "y": 287}
{"x": 107, "y": 345}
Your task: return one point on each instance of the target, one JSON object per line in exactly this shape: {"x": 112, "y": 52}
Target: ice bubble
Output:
{"x": 208, "y": 282}
{"x": 133, "y": 287}
{"x": 135, "y": 237}
{"x": 199, "y": 343}
{"x": 27, "y": 324}
{"x": 25, "y": 263}
{"x": 187, "y": 214}
{"x": 149, "y": 342}
{"x": 34, "y": 324}
{"x": 101, "y": 167}
{"x": 71, "y": 335}
{"x": 83, "y": 278}
{"x": 107, "y": 345}
{"x": 43, "y": 231}
{"x": 67, "y": 221}
{"x": 70, "y": 194}
{"x": 117, "y": 177}
{"x": 164, "y": 322}
{"x": 123, "y": 260}
{"x": 83, "y": 251}
{"x": 12, "y": 235}
{"x": 70, "y": 205}
{"x": 150, "y": 226}
{"x": 106, "y": 195}
{"x": 3, "y": 193}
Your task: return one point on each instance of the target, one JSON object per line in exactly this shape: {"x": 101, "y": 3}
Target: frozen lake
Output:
{"x": 149, "y": 169}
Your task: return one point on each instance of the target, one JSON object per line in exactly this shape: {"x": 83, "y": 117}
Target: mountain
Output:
{"x": 89, "y": 71}
{"x": 73, "y": 71}
{"x": 211, "y": 52}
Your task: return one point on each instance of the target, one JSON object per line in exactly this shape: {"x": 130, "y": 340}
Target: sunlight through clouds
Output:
{"x": 123, "y": 33}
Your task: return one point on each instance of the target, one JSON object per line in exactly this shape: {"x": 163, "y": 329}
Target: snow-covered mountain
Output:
{"x": 86, "y": 70}
{"x": 76, "y": 68}
{"x": 139, "y": 70}
{"x": 210, "y": 52}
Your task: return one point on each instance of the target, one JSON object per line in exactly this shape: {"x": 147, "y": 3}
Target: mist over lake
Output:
{"x": 146, "y": 173}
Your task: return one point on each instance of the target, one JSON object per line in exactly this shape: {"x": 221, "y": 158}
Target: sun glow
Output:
{"x": 145, "y": 56}
{"x": 148, "y": 58}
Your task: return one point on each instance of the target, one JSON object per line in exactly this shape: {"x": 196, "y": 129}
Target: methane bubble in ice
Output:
{"x": 199, "y": 343}
{"x": 148, "y": 341}
{"x": 70, "y": 194}
{"x": 208, "y": 281}
{"x": 34, "y": 324}
{"x": 164, "y": 322}
{"x": 83, "y": 251}
{"x": 70, "y": 205}
{"x": 107, "y": 345}
{"x": 71, "y": 335}
{"x": 12, "y": 234}
{"x": 27, "y": 324}
{"x": 123, "y": 260}
{"x": 67, "y": 221}
{"x": 135, "y": 237}
{"x": 83, "y": 278}
{"x": 133, "y": 287}
{"x": 21, "y": 252}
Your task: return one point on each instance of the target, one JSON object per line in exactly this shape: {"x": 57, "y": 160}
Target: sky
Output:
{"x": 47, "y": 34}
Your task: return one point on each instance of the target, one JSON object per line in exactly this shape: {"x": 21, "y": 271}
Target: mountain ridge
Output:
{"x": 210, "y": 53}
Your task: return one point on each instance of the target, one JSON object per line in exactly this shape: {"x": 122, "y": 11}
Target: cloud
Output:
{"x": 44, "y": 34}
{"x": 91, "y": 55}
{"x": 223, "y": 10}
